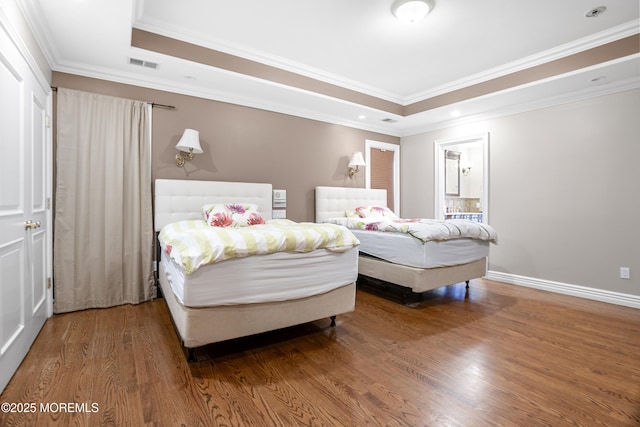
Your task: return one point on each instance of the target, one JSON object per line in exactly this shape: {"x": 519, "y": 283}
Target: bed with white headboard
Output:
{"x": 431, "y": 265}
{"x": 226, "y": 300}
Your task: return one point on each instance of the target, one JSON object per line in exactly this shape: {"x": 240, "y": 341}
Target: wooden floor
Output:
{"x": 497, "y": 355}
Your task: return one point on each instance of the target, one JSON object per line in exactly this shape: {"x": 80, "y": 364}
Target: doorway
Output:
{"x": 389, "y": 173}
{"x": 471, "y": 173}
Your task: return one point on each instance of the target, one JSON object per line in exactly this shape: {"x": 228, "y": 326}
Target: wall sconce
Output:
{"x": 465, "y": 167}
{"x": 189, "y": 143}
{"x": 354, "y": 165}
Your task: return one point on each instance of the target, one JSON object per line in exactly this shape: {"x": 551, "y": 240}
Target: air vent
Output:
{"x": 389, "y": 120}
{"x": 141, "y": 63}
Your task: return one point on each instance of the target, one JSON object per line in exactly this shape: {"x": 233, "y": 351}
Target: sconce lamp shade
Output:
{"x": 190, "y": 142}
{"x": 357, "y": 160}
{"x": 354, "y": 165}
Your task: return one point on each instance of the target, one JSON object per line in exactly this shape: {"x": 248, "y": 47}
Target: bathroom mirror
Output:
{"x": 452, "y": 173}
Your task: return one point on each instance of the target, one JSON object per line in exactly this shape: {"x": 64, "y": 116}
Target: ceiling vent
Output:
{"x": 389, "y": 120}
{"x": 141, "y": 63}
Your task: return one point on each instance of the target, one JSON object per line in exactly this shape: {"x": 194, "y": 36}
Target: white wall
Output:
{"x": 563, "y": 191}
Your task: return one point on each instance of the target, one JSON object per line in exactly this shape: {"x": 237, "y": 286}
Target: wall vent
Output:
{"x": 142, "y": 63}
{"x": 389, "y": 120}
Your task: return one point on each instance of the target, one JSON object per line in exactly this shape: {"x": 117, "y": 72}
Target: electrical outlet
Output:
{"x": 625, "y": 273}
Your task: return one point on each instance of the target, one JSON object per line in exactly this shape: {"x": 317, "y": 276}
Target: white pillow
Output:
{"x": 375, "y": 212}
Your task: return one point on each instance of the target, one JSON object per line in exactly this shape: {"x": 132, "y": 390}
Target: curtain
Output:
{"x": 103, "y": 235}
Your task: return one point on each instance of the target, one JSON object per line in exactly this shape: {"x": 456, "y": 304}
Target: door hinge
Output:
{"x": 49, "y": 283}
{"x": 47, "y": 121}
{"x": 48, "y": 202}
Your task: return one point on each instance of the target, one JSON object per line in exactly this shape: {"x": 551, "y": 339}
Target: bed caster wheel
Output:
{"x": 333, "y": 321}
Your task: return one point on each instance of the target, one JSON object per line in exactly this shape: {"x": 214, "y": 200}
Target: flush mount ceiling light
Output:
{"x": 411, "y": 10}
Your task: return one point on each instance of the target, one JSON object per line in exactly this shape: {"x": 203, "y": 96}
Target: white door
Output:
{"x": 24, "y": 186}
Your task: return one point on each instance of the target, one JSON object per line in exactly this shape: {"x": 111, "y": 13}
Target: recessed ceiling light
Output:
{"x": 595, "y": 12}
{"x": 362, "y": 117}
{"x": 455, "y": 113}
{"x": 600, "y": 80}
{"x": 411, "y": 10}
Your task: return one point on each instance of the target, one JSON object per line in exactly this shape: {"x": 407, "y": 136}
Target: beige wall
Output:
{"x": 244, "y": 144}
{"x": 563, "y": 190}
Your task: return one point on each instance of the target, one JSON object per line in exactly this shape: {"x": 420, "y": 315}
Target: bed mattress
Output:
{"x": 262, "y": 278}
{"x": 403, "y": 249}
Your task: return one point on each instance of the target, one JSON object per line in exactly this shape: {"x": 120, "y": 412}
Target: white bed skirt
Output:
{"x": 262, "y": 278}
{"x": 404, "y": 249}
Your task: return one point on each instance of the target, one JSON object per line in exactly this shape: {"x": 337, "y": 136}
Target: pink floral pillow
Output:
{"x": 375, "y": 212}
{"x": 232, "y": 214}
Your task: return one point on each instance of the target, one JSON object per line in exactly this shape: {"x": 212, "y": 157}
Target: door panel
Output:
{"x": 12, "y": 268}
{"x": 38, "y": 281}
{"x": 24, "y": 179}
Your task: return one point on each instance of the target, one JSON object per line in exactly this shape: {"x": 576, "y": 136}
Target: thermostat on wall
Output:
{"x": 279, "y": 198}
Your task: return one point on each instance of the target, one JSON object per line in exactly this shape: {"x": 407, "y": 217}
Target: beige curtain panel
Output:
{"x": 103, "y": 235}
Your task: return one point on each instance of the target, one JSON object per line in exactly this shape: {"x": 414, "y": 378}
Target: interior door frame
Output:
{"x": 440, "y": 146}
{"x": 368, "y": 145}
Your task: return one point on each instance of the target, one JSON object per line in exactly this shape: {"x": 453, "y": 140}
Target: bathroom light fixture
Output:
{"x": 189, "y": 143}
{"x": 465, "y": 167}
{"x": 354, "y": 165}
{"x": 411, "y": 10}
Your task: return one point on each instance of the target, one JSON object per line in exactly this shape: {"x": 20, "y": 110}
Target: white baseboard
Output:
{"x": 566, "y": 289}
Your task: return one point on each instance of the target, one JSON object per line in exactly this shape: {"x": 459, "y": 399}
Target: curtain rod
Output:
{"x": 153, "y": 104}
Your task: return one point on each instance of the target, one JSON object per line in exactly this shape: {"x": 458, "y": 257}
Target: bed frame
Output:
{"x": 183, "y": 199}
{"x": 331, "y": 202}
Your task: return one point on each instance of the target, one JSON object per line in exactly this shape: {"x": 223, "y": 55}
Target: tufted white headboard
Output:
{"x": 179, "y": 199}
{"x": 331, "y": 202}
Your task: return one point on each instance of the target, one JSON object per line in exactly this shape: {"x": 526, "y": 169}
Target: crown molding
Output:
{"x": 266, "y": 59}
{"x": 577, "y": 46}
{"x": 548, "y": 102}
{"x": 234, "y": 98}
{"x": 33, "y": 14}
{"x": 18, "y": 42}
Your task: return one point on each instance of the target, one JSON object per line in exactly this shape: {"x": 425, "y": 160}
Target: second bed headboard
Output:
{"x": 331, "y": 202}
{"x": 180, "y": 199}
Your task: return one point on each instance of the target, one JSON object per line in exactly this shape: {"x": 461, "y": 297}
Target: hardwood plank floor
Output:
{"x": 495, "y": 355}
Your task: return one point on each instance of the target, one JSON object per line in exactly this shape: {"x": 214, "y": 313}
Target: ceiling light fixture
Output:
{"x": 411, "y": 10}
